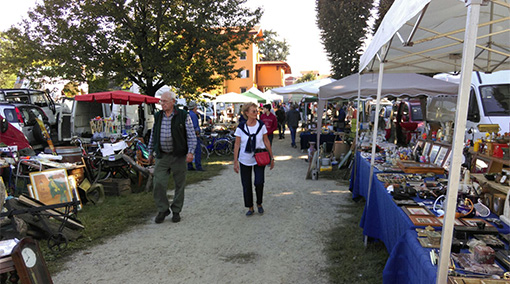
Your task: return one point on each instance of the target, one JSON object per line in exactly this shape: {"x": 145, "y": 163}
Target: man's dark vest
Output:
{"x": 179, "y": 134}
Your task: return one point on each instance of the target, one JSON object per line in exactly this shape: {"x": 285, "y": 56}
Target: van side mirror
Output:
{"x": 4, "y": 125}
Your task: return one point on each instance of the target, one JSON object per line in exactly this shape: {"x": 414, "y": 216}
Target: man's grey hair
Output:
{"x": 173, "y": 96}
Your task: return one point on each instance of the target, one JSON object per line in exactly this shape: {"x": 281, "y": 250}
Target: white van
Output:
{"x": 489, "y": 102}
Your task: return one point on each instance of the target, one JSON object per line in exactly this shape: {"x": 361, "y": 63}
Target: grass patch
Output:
{"x": 117, "y": 215}
{"x": 349, "y": 260}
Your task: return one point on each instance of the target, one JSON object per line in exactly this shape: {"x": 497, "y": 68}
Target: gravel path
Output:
{"x": 216, "y": 243}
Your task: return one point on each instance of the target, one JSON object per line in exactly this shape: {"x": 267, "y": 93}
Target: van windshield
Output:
{"x": 496, "y": 100}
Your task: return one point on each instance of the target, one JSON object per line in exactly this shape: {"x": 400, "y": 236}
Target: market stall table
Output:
{"x": 382, "y": 219}
{"x": 359, "y": 177}
{"x": 306, "y": 137}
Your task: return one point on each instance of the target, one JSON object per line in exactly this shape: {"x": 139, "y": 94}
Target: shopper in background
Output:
{"x": 280, "y": 117}
{"x": 339, "y": 118}
{"x": 193, "y": 114}
{"x": 270, "y": 121}
{"x": 293, "y": 118}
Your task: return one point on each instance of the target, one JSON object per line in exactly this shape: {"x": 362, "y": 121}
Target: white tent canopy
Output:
{"x": 305, "y": 88}
{"x": 274, "y": 97}
{"x": 426, "y": 36}
{"x": 234, "y": 98}
{"x": 256, "y": 91}
{"x": 395, "y": 84}
{"x": 296, "y": 92}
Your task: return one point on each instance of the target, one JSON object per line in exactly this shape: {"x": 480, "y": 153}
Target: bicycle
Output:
{"x": 98, "y": 167}
{"x": 217, "y": 143}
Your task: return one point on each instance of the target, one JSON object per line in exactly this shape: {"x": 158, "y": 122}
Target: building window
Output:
{"x": 243, "y": 90}
{"x": 244, "y": 74}
{"x": 243, "y": 55}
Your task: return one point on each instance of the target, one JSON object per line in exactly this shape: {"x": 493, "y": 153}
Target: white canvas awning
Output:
{"x": 426, "y": 36}
{"x": 394, "y": 84}
{"x": 273, "y": 96}
{"x": 296, "y": 92}
{"x": 234, "y": 98}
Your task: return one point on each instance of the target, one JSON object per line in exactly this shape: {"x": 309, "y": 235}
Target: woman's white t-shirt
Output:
{"x": 248, "y": 159}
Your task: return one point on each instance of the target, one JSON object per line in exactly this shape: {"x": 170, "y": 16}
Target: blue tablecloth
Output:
{"x": 359, "y": 183}
{"x": 382, "y": 219}
{"x": 306, "y": 137}
{"x": 409, "y": 262}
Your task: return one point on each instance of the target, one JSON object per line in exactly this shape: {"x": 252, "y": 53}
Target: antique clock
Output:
{"x": 29, "y": 262}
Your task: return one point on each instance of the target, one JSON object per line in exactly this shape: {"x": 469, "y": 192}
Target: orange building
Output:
{"x": 256, "y": 73}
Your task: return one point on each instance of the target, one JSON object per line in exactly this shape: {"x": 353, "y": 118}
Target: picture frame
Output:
{"x": 447, "y": 160}
{"x": 419, "y": 144}
{"x": 51, "y": 186}
{"x": 3, "y": 188}
{"x": 434, "y": 150}
{"x": 419, "y": 220}
{"x": 426, "y": 148}
{"x": 457, "y": 222}
{"x": 441, "y": 156}
{"x": 74, "y": 188}
{"x": 417, "y": 211}
{"x": 473, "y": 222}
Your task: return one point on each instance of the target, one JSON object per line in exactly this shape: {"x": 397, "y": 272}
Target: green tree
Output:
{"x": 343, "y": 26}
{"x": 307, "y": 77}
{"x": 7, "y": 75}
{"x": 191, "y": 45}
{"x": 271, "y": 48}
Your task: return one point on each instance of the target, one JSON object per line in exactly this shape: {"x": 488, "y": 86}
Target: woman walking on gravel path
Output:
{"x": 251, "y": 135}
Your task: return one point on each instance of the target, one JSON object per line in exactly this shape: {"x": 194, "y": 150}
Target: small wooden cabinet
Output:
{"x": 494, "y": 165}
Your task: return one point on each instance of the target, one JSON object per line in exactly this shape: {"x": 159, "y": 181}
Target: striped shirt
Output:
{"x": 166, "y": 140}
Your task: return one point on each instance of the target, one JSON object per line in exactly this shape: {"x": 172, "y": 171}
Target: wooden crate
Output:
{"x": 116, "y": 186}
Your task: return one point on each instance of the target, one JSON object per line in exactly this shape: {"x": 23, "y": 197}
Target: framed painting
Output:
{"x": 417, "y": 210}
{"x": 441, "y": 156}
{"x": 456, "y": 223}
{"x": 426, "y": 148}
{"x": 475, "y": 222}
{"x": 425, "y": 221}
{"x": 420, "y": 145}
{"x": 434, "y": 150}
{"x": 3, "y": 188}
{"x": 447, "y": 161}
{"x": 51, "y": 186}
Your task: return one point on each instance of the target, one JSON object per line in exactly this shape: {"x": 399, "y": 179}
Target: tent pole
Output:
{"x": 356, "y": 142}
{"x": 472, "y": 19}
{"x": 320, "y": 111}
{"x": 374, "y": 135}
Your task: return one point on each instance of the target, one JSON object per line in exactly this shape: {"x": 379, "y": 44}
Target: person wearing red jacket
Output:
{"x": 270, "y": 121}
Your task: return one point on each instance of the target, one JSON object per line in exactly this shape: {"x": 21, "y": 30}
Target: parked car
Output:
{"x": 11, "y": 136}
{"x": 59, "y": 116}
{"x": 407, "y": 119}
{"x": 23, "y": 118}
